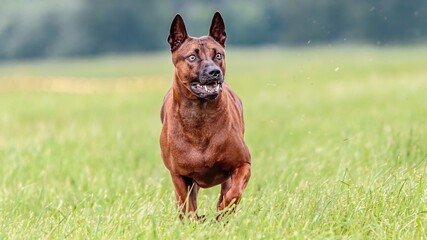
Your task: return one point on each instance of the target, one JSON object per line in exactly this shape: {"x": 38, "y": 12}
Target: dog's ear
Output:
{"x": 217, "y": 30}
{"x": 178, "y": 33}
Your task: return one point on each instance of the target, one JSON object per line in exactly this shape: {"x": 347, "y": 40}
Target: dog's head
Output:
{"x": 199, "y": 62}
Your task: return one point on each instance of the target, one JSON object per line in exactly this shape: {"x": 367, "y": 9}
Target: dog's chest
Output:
{"x": 205, "y": 168}
{"x": 197, "y": 153}
{"x": 206, "y": 154}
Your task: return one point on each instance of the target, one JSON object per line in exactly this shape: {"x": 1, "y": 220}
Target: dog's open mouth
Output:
{"x": 206, "y": 91}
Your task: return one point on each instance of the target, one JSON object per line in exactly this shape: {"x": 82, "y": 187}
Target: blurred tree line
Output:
{"x": 44, "y": 28}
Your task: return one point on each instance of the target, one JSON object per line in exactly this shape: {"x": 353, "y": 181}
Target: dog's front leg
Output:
{"x": 186, "y": 195}
{"x": 239, "y": 179}
{"x": 225, "y": 186}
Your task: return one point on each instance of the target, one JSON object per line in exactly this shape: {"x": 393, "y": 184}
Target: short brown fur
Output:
{"x": 202, "y": 140}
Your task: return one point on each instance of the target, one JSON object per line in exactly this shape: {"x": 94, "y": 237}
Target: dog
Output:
{"x": 202, "y": 138}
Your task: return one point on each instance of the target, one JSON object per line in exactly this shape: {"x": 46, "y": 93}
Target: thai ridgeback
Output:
{"x": 202, "y": 141}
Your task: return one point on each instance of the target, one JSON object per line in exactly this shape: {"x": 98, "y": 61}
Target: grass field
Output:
{"x": 338, "y": 137}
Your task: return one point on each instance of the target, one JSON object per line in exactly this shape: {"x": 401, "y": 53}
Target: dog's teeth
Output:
{"x": 206, "y": 89}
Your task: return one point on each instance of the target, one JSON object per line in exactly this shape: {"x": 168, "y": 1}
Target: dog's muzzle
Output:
{"x": 209, "y": 83}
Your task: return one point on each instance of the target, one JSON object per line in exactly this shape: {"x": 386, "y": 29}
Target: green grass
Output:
{"x": 337, "y": 136}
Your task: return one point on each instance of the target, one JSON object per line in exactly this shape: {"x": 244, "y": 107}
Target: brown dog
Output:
{"x": 202, "y": 137}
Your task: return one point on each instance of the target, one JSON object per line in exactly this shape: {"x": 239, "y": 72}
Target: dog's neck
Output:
{"x": 205, "y": 118}
{"x": 198, "y": 112}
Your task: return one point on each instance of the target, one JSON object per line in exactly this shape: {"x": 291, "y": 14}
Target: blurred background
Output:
{"x": 62, "y": 28}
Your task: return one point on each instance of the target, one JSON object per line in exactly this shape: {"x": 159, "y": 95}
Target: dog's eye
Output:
{"x": 191, "y": 58}
{"x": 218, "y": 56}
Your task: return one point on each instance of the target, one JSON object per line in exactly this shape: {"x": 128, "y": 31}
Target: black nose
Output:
{"x": 214, "y": 73}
